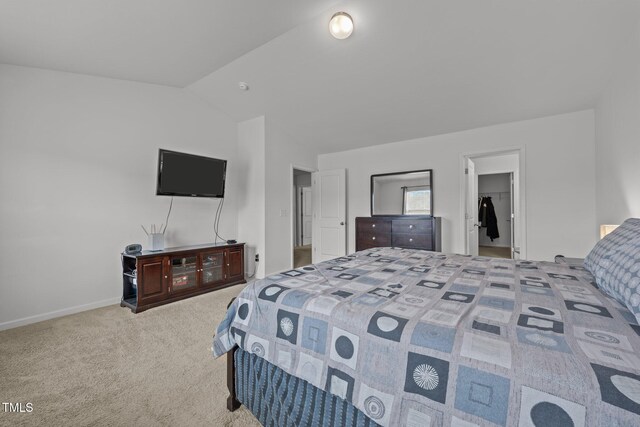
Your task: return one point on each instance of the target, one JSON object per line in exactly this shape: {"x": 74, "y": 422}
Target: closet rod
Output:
{"x": 499, "y": 193}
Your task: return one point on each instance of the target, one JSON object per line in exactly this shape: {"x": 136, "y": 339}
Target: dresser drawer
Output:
{"x": 412, "y": 241}
{"x": 368, "y": 225}
{"x": 411, "y": 226}
{"x": 363, "y": 246}
{"x": 374, "y": 239}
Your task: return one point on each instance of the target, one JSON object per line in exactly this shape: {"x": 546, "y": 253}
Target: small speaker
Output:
{"x": 135, "y": 248}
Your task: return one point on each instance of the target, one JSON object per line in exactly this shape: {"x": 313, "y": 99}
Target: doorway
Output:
{"x": 493, "y": 198}
{"x": 495, "y": 211}
{"x": 302, "y": 218}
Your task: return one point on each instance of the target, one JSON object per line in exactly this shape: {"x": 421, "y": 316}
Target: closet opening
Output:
{"x": 495, "y": 215}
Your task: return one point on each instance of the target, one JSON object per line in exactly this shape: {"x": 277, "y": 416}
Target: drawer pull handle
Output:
{"x": 411, "y": 240}
{"x": 373, "y": 225}
{"x": 410, "y": 226}
{"x": 373, "y": 238}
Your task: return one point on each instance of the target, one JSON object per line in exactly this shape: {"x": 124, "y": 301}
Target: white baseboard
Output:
{"x": 57, "y": 313}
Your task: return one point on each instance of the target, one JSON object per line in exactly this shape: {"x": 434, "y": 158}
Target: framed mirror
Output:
{"x": 402, "y": 193}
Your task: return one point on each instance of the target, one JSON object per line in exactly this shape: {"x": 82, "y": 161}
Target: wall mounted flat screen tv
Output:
{"x": 181, "y": 174}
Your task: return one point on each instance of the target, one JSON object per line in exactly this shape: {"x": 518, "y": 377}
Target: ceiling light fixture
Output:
{"x": 341, "y": 25}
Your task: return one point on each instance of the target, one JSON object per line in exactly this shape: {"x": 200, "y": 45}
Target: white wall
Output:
{"x": 618, "y": 142}
{"x": 78, "y": 165}
{"x": 251, "y": 192}
{"x": 560, "y": 178}
{"x": 282, "y": 152}
{"x": 498, "y": 187}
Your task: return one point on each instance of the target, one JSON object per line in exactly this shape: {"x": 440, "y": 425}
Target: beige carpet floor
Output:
{"x": 494, "y": 251}
{"x": 301, "y": 256}
{"x": 110, "y": 367}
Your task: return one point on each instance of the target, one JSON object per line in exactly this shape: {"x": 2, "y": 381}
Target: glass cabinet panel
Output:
{"x": 183, "y": 272}
{"x": 212, "y": 267}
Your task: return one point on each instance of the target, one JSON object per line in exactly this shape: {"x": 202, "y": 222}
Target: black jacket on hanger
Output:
{"x": 487, "y": 217}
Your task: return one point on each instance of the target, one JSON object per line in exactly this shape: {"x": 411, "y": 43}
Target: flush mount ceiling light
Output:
{"x": 341, "y": 25}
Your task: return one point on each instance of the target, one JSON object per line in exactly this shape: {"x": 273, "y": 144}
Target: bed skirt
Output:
{"x": 279, "y": 399}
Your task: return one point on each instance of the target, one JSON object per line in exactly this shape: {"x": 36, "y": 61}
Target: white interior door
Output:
{"x": 471, "y": 212}
{"x": 329, "y": 190}
{"x": 307, "y": 215}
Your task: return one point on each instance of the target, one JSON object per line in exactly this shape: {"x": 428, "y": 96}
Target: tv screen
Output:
{"x": 181, "y": 174}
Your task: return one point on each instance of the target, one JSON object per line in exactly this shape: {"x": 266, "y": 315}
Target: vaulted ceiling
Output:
{"x": 421, "y": 68}
{"x": 410, "y": 69}
{"x": 169, "y": 42}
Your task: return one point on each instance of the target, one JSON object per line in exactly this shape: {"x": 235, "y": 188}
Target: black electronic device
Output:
{"x": 231, "y": 242}
{"x": 181, "y": 174}
{"x": 132, "y": 249}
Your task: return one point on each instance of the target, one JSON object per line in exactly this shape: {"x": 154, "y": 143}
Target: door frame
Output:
{"x": 519, "y": 188}
{"x": 293, "y": 210}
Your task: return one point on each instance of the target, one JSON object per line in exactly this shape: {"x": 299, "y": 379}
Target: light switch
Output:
{"x": 283, "y": 212}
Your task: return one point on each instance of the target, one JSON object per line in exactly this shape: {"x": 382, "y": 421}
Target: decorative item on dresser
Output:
{"x": 399, "y": 232}
{"x": 152, "y": 278}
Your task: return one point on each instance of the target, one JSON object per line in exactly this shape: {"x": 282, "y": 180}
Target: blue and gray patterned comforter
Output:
{"x": 419, "y": 338}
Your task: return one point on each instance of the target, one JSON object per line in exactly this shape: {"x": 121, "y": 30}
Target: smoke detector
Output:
{"x": 243, "y": 86}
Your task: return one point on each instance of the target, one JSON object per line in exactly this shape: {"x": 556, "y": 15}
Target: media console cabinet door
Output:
{"x": 152, "y": 279}
{"x": 235, "y": 264}
{"x": 183, "y": 272}
{"x": 212, "y": 267}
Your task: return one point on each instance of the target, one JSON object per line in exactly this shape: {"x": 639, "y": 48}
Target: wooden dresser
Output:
{"x": 399, "y": 232}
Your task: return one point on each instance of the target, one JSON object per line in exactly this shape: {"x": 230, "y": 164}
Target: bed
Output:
{"x": 391, "y": 336}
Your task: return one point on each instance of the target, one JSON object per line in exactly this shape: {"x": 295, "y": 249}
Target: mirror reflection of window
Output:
{"x": 416, "y": 200}
{"x": 402, "y": 193}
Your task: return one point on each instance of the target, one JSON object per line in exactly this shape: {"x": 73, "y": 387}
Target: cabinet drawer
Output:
{"x": 362, "y": 246}
{"x": 376, "y": 239}
{"x": 412, "y": 241}
{"x": 373, "y": 240}
{"x": 366, "y": 225}
{"x": 411, "y": 226}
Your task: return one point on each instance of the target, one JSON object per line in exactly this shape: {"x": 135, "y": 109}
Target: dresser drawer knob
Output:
{"x": 373, "y": 225}
{"x": 373, "y": 238}
{"x": 411, "y": 240}
{"x": 410, "y": 226}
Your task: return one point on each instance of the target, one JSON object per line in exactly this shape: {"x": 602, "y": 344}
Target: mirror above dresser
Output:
{"x": 402, "y": 193}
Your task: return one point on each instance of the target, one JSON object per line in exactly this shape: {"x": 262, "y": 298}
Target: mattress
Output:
{"x": 422, "y": 338}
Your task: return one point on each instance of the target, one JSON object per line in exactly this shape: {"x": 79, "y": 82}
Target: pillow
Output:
{"x": 618, "y": 275}
{"x": 628, "y": 230}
